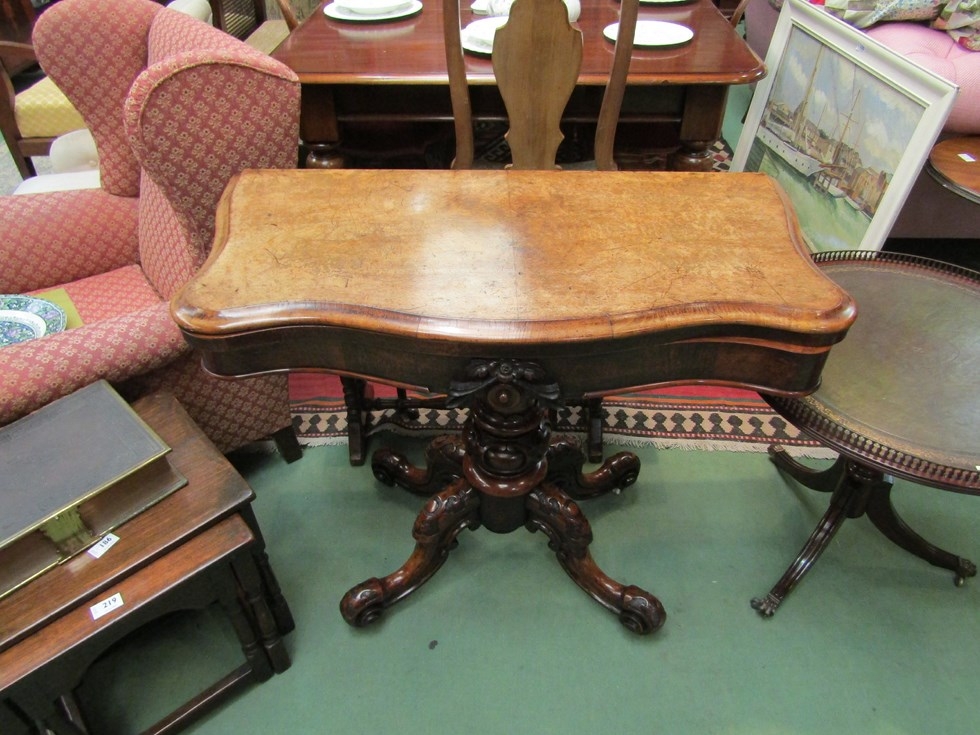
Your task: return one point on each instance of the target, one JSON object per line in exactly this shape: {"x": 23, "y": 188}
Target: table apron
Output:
{"x": 581, "y": 369}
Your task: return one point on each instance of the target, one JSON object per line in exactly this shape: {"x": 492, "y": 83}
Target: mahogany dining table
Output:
{"x": 512, "y": 292}
{"x": 358, "y": 75}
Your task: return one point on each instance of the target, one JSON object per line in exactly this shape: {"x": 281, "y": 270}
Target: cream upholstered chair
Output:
{"x": 249, "y": 21}
{"x": 31, "y": 119}
{"x": 176, "y": 108}
{"x": 32, "y": 110}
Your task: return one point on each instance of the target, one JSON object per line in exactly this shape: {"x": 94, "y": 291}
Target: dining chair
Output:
{"x": 177, "y": 108}
{"x": 538, "y": 37}
{"x": 536, "y": 60}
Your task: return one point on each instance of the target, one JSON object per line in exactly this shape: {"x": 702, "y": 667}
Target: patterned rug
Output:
{"x": 681, "y": 417}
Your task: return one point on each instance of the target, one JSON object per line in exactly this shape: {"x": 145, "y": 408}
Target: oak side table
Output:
{"x": 200, "y": 544}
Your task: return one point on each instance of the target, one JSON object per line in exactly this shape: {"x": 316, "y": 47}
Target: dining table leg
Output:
{"x": 318, "y": 127}
{"x": 701, "y": 120}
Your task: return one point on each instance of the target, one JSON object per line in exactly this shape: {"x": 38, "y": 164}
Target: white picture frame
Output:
{"x": 844, "y": 124}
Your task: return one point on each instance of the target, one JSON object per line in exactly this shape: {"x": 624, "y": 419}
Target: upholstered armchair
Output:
{"x": 176, "y": 108}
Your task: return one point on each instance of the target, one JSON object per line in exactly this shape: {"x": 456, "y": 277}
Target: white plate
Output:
{"x": 502, "y": 7}
{"x": 653, "y": 33}
{"x": 25, "y": 317}
{"x": 477, "y": 37}
{"x": 336, "y": 12}
{"x": 665, "y": 2}
{"x": 371, "y": 7}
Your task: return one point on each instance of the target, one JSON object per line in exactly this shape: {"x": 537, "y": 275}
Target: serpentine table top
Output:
{"x": 512, "y": 292}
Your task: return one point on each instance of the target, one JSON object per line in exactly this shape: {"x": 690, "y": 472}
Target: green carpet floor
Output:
{"x": 501, "y": 641}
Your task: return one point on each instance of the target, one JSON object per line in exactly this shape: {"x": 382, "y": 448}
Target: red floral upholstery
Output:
{"x": 176, "y": 108}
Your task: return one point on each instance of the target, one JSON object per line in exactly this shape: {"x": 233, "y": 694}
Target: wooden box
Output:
{"x": 70, "y": 473}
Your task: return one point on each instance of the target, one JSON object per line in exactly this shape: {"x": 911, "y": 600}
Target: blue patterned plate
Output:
{"x": 25, "y": 317}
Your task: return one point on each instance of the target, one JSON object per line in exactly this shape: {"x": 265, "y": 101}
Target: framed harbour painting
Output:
{"x": 844, "y": 125}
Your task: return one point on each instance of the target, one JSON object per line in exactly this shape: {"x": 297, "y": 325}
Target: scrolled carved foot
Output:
{"x": 363, "y": 604}
{"x": 389, "y": 467}
{"x": 642, "y": 613}
{"x": 766, "y": 606}
{"x": 442, "y": 519}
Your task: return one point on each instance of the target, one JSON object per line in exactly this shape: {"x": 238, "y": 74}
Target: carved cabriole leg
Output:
{"x": 442, "y": 519}
{"x": 443, "y": 464}
{"x": 569, "y": 535}
{"x": 565, "y": 463}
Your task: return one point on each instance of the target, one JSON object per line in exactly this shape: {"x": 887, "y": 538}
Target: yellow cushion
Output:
{"x": 43, "y": 111}
{"x": 268, "y": 36}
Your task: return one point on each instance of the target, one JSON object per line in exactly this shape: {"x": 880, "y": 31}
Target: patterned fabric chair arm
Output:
{"x": 214, "y": 89}
{"x": 42, "y": 370}
{"x": 217, "y": 86}
{"x": 58, "y": 237}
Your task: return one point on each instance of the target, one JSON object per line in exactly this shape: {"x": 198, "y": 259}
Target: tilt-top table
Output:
{"x": 898, "y": 399}
{"x": 512, "y": 291}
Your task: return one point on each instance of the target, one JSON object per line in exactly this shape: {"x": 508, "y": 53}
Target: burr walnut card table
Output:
{"x": 365, "y": 74}
{"x": 511, "y": 292}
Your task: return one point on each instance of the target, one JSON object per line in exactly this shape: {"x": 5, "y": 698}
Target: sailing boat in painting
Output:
{"x": 843, "y": 124}
{"x": 831, "y": 133}
{"x": 834, "y": 165}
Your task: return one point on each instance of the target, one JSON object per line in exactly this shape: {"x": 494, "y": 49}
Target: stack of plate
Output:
{"x": 371, "y": 11}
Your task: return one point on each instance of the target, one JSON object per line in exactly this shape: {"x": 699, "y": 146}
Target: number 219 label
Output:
{"x": 106, "y": 606}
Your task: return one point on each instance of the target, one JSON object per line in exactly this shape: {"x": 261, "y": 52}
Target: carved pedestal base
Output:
{"x": 857, "y": 490}
{"x": 504, "y": 473}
